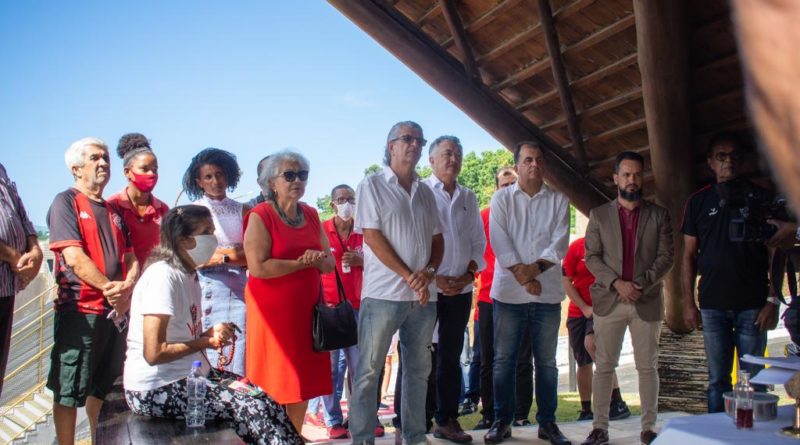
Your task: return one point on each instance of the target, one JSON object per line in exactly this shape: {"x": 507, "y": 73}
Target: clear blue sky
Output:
{"x": 249, "y": 77}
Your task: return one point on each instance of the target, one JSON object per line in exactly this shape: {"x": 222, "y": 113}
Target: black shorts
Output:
{"x": 578, "y": 328}
{"x": 87, "y": 357}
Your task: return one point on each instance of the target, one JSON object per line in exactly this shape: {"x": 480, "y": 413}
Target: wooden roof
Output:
{"x": 499, "y": 50}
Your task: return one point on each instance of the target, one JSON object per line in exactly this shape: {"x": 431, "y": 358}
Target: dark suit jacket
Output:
{"x": 652, "y": 260}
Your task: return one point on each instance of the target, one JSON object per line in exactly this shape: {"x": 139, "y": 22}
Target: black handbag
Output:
{"x": 334, "y": 327}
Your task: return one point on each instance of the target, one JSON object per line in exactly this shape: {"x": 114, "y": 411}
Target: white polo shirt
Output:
{"x": 462, "y": 229}
{"x": 524, "y": 229}
{"x": 408, "y": 221}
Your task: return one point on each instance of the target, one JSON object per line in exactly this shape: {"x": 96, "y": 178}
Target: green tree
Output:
{"x": 374, "y": 168}
{"x": 324, "y": 207}
{"x": 478, "y": 172}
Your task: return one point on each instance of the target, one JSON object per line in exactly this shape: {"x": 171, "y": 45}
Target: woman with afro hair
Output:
{"x": 211, "y": 174}
{"x": 141, "y": 211}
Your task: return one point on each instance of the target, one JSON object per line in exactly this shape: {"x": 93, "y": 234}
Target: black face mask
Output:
{"x": 630, "y": 196}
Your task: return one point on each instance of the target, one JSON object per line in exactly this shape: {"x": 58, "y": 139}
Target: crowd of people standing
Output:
{"x": 144, "y": 291}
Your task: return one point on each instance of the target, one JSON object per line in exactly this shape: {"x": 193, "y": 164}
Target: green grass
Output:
{"x": 569, "y": 405}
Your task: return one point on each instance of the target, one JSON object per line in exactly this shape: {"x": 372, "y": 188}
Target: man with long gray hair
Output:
{"x": 403, "y": 248}
{"x": 96, "y": 269}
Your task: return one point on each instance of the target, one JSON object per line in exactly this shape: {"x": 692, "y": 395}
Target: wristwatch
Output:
{"x": 430, "y": 270}
{"x": 774, "y": 300}
{"x": 226, "y": 259}
{"x": 541, "y": 266}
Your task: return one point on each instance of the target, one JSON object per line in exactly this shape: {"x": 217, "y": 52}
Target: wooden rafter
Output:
{"x": 562, "y": 82}
{"x": 435, "y": 10}
{"x": 441, "y": 70}
{"x": 484, "y": 19}
{"x": 614, "y": 132}
{"x": 616, "y": 101}
{"x": 590, "y": 40}
{"x": 450, "y": 12}
{"x": 581, "y": 82}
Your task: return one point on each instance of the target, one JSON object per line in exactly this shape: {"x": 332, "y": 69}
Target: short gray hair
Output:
{"x": 75, "y": 154}
{"x": 272, "y": 166}
{"x": 435, "y": 144}
{"x": 387, "y": 157}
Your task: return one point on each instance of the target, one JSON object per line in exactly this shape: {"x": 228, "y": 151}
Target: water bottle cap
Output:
{"x": 196, "y": 364}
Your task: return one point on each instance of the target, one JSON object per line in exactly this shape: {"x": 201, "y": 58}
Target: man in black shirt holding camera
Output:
{"x": 735, "y": 310}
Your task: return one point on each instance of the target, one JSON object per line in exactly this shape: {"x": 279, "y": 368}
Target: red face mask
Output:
{"x": 145, "y": 183}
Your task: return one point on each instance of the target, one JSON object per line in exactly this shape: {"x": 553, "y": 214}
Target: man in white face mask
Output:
{"x": 346, "y": 249}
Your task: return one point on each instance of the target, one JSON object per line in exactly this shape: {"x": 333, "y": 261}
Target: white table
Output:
{"x": 718, "y": 429}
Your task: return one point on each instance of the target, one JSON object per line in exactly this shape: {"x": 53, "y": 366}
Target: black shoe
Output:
{"x": 484, "y": 424}
{"x": 596, "y": 437}
{"x": 499, "y": 431}
{"x": 467, "y": 407}
{"x": 549, "y": 431}
{"x": 647, "y": 437}
{"x": 618, "y": 411}
{"x": 521, "y": 422}
{"x": 585, "y": 415}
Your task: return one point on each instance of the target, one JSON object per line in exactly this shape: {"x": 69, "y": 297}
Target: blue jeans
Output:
{"x": 510, "y": 321}
{"x": 341, "y": 361}
{"x": 722, "y": 331}
{"x": 378, "y": 320}
{"x": 473, "y": 392}
{"x": 223, "y": 301}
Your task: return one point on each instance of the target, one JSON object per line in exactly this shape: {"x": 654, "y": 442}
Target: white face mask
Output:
{"x": 345, "y": 211}
{"x": 204, "y": 248}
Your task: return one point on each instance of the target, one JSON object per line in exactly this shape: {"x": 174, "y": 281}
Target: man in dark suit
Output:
{"x": 628, "y": 250}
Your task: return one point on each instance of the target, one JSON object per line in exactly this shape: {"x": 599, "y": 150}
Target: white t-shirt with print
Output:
{"x": 163, "y": 290}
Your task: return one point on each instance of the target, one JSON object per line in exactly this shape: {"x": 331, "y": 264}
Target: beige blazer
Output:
{"x": 652, "y": 260}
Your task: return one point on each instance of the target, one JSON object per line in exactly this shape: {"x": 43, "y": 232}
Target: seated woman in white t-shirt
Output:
{"x": 165, "y": 336}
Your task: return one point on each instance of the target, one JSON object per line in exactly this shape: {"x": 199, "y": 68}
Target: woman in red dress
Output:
{"x": 286, "y": 251}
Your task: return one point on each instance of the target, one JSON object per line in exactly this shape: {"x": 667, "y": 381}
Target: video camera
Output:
{"x": 755, "y": 207}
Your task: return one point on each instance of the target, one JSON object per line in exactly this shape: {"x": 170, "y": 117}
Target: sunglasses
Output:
{"x": 290, "y": 175}
{"x": 408, "y": 139}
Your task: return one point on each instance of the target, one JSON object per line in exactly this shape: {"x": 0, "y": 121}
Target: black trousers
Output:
{"x": 524, "y": 394}
{"x": 453, "y": 315}
{"x": 6, "y": 321}
{"x": 430, "y": 398}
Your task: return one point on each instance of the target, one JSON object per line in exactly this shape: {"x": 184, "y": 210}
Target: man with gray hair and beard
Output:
{"x": 95, "y": 269}
{"x": 403, "y": 248}
{"x": 464, "y": 243}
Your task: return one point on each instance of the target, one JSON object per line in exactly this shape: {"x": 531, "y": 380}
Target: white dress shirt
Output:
{"x": 524, "y": 229}
{"x": 462, "y": 229}
{"x": 408, "y": 221}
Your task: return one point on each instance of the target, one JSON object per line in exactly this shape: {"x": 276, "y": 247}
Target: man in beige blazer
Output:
{"x": 628, "y": 250}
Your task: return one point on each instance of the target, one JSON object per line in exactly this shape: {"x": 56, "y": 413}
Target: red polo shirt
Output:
{"x": 350, "y": 281}
{"x": 487, "y": 275}
{"x": 628, "y": 221}
{"x": 144, "y": 229}
{"x": 574, "y": 267}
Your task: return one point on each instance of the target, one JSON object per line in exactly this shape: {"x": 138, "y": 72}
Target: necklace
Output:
{"x": 223, "y": 360}
{"x": 296, "y": 221}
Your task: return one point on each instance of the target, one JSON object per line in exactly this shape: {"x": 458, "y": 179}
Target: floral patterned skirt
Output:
{"x": 256, "y": 419}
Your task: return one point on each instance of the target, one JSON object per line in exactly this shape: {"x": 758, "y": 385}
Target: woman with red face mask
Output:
{"x": 141, "y": 211}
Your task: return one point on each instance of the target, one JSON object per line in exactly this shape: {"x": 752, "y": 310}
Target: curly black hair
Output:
{"x": 132, "y": 141}
{"x": 226, "y": 161}
{"x": 132, "y": 145}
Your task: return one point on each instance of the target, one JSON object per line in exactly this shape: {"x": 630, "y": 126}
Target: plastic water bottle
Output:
{"x": 195, "y": 397}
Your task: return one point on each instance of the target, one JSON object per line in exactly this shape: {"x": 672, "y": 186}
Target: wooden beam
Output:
{"x": 484, "y": 19}
{"x": 610, "y": 104}
{"x": 435, "y": 10}
{"x": 442, "y": 71}
{"x": 534, "y": 30}
{"x": 662, "y": 40}
{"x": 592, "y": 39}
{"x": 581, "y": 82}
{"x": 448, "y": 7}
{"x": 562, "y": 82}
{"x": 614, "y": 132}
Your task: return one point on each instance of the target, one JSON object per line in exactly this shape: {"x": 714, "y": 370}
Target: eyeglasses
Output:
{"x": 723, "y": 156}
{"x": 341, "y": 201}
{"x": 408, "y": 139}
{"x": 290, "y": 175}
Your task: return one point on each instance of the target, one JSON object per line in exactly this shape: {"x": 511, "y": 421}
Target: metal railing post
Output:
{"x": 41, "y": 335}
